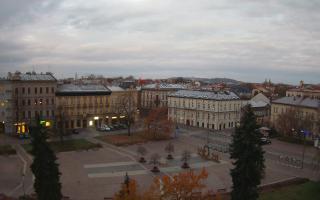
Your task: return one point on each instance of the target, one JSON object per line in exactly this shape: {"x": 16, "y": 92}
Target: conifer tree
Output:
{"x": 248, "y": 158}
{"x": 44, "y": 167}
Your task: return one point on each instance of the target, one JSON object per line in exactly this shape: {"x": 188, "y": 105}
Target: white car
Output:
{"x": 106, "y": 128}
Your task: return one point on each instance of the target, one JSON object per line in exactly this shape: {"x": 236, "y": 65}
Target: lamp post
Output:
{"x": 304, "y": 146}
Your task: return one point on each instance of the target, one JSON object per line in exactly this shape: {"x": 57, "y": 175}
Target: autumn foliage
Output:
{"x": 187, "y": 185}
{"x": 128, "y": 191}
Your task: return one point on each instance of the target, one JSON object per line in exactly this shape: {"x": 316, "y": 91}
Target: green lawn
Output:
{"x": 306, "y": 191}
{"x": 7, "y": 150}
{"x": 68, "y": 145}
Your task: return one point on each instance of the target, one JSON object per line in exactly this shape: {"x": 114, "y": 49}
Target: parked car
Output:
{"x": 106, "y": 128}
{"x": 124, "y": 126}
{"x": 265, "y": 140}
{"x": 100, "y": 128}
{"x": 117, "y": 126}
{"x": 75, "y": 131}
{"x": 111, "y": 127}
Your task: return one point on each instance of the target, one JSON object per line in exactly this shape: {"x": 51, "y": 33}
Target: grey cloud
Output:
{"x": 240, "y": 39}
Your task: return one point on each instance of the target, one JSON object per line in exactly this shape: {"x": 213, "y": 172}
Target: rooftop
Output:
{"x": 298, "y": 101}
{"x": 82, "y": 89}
{"x": 115, "y": 88}
{"x": 195, "y": 94}
{"x": 32, "y": 76}
{"x": 164, "y": 86}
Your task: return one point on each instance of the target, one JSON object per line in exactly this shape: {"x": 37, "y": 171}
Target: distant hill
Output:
{"x": 227, "y": 81}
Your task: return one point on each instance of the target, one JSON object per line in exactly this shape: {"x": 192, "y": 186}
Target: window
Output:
{"x": 47, "y": 101}
{"x": 52, "y": 101}
{"x": 47, "y": 90}
{"x": 29, "y": 102}
{"x": 23, "y": 114}
{"x": 52, "y": 89}
{"x": 28, "y": 90}
{"x": 23, "y": 90}
{"x": 29, "y": 114}
{"x": 40, "y": 90}
{"x": 48, "y": 114}
{"x": 35, "y": 90}
{"x": 52, "y": 112}
{"x": 23, "y": 102}
{"x": 16, "y": 90}
{"x": 41, "y": 113}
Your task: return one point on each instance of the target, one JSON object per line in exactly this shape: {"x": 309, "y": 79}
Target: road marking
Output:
{"x": 117, "y": 174}
{"x": 109, "y": 164}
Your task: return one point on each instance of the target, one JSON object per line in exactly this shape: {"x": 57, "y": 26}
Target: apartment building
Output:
{"x": 6, "y": 115}
{"x": 121, "y": 99}
{"x": 82, "y": 105}
{"x": 305, "y": 106}
{"x": 156, "y": 95}
{"x": 33, "y": 95}
{"x": 206, "y": 109}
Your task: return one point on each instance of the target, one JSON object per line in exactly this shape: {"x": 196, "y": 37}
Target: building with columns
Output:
{"x": 206, "y": 109}
{"x": 82, "y": 105}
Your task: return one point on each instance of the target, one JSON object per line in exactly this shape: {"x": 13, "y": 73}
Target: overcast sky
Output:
{"x": 248, "y": 40}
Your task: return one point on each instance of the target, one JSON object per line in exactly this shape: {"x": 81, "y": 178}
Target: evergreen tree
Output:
{"x": 248, "y": 156}
{"x": 44, "y": 167}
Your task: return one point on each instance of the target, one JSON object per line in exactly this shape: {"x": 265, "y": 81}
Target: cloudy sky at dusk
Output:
{"x": 248, "y": 40}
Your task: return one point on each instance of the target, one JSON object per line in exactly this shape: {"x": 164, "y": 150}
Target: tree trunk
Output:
{"x": 129, "y": 129}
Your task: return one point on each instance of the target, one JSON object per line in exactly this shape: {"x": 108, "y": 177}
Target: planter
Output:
{"x": 142, "y": 160}
{"x": 155, "y": 169}
{"x": 169, "y": 157}
{"x": 185, "y": 166}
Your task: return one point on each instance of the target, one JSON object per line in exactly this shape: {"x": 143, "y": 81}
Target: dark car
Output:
{"x": 111, "y": 127}
{"x": 265, "y": 140}
{"x": 117, "y": 126}
{"x": 75, "y": 131}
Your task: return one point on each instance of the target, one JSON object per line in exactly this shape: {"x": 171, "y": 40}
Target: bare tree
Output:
{"x": 154, "y": 160}
{"x": 142, "y": 151}
{"x": 157, "y": 123}
{"x": 169, "y": 149}
{"x": 292, "y": 121}
{"x": 127, "y": 107}
{"x": 186, "y": 155}
{"x": 60, "y": 118}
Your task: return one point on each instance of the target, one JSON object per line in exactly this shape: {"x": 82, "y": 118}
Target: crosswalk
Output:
{"x": 119, "y": 169}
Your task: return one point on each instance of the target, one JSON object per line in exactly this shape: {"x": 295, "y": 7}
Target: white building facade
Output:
{"x": 206, "y": 109}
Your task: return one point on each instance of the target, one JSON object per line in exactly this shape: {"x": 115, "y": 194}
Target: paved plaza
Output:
{"x": 95, "y": 174}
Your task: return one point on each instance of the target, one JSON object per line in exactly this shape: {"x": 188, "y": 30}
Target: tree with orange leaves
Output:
{"x": 128, "y": 191}
{"x": 183, "y": 186}
{"x": 187, "y": 185}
